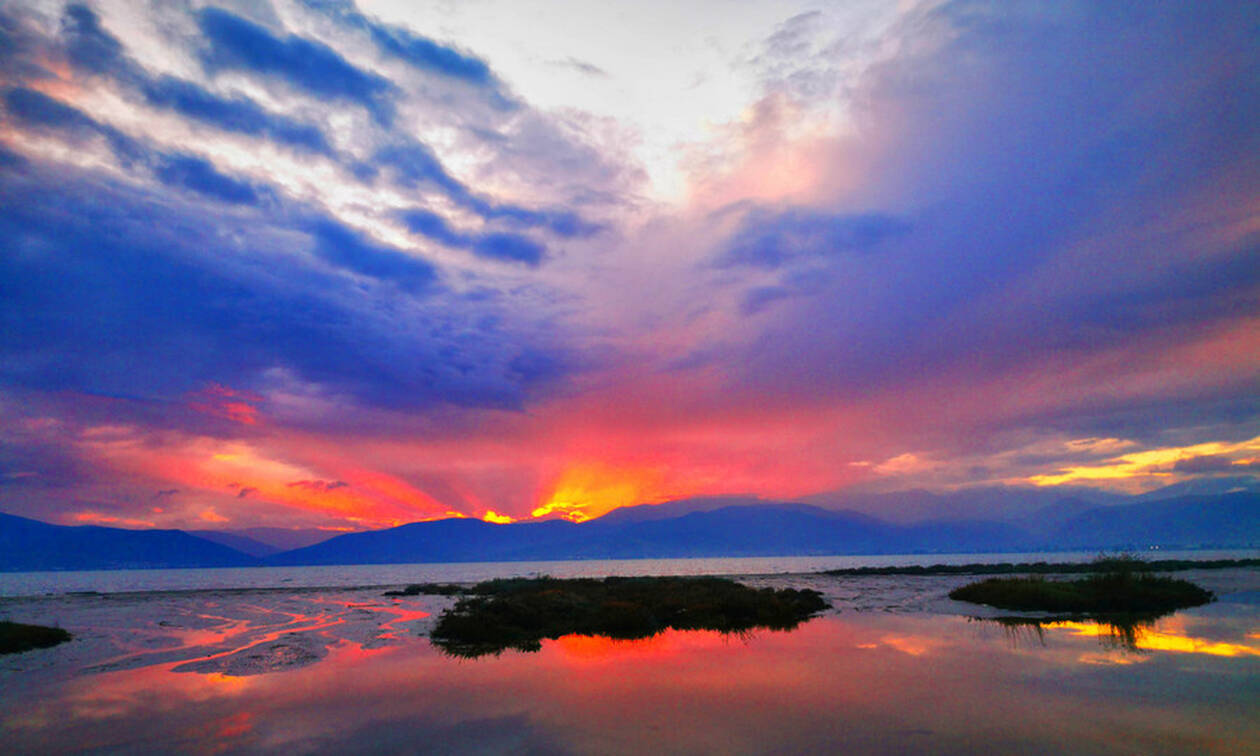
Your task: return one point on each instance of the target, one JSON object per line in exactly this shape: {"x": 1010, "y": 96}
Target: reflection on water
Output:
{"x": 327, "y": 671}
{"x": 518, "y": 614}
{"x": 1120, "y": 633}
{"x": 1149, "y": 638}
{"x": 858, "y": 682}
{"x": 1135, "y": 635}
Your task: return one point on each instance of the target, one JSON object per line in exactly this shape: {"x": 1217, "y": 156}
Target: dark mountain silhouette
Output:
{"x": 708, "y": 527}
{"x": 451, "y": 540}
{"x": 1044, "y": 523}
{"x": 1013, "y": 504}
{"x": 27, "y": 545}
{"x": 265, "y": 541}
{"x": 676, "y": 508}
{"x": 286, "y": 538}
{"x": 763, "y": 529}
{"x": 1205, "y": 486}
{"x": 234, "y": 540}
{"x": 1229, "y": 520}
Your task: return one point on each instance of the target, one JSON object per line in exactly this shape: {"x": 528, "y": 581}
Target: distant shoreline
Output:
{"x": 17, "y": 584}
{"x": 1041, "y": 568}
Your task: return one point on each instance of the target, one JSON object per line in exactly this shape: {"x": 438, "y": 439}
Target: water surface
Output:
{"x": 896, "y": 667}
{"x": 340, "y": 576}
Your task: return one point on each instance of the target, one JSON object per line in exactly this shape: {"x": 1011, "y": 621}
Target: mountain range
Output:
{"x": 697, "y": 527}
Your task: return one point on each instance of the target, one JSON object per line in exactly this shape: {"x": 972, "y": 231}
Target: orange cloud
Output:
{"x": 95, "y": 518}
{"x": 1152, "y": 462}
{"x": 228, "y": 403}
{"x": 589, "y": 490}
{"x": 243, "y": 476}
{"x": 209, "y": 515}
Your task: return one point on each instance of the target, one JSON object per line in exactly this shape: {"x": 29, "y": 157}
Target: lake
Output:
{"x": 118, "y": 581}
{"x": 894, "y": 667}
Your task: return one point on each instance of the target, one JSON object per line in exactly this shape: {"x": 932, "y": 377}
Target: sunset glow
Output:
{"x": 1164, "y": 640}
{"x": 592, "y": 490}
{"x": 354, "y": 265}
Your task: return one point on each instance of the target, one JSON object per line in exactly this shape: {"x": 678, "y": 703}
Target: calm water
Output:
{"x": 118, "y": 581}
{"x": 874, "y": 682}
{"x": 895, "y": 667}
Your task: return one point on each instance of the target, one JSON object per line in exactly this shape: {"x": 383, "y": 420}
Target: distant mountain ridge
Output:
{"x": 788, "y": 528}
{"x": 31, "y": 545}
{"x": 234, "y": 540}
{"x": 700, "y": 527}
{"x": 1182, "y": 522}
{"x": 262, "y": 542}
{"x": 1000, "y": 503}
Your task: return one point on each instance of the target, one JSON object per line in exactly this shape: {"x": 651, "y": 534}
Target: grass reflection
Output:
{"x": 1123, "y": 633}
{"x": 1136, "y": 634}
{"x": 519, "y": 613}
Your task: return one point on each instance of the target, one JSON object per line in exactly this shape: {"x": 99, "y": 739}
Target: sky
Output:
{"x": 318, "y": 263}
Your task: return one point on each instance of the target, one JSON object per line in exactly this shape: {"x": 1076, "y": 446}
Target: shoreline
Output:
{"x": 253, "y": 631}
{"x": 113, "y": 582}
{"x": 933, "y": 570}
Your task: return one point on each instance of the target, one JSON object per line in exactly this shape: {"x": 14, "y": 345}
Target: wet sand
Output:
{"x": 894, "y": 667}
{"x": 258, "y": 631}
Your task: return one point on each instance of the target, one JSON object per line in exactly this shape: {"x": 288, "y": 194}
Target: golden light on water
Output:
{"x": 1164, "y": 639}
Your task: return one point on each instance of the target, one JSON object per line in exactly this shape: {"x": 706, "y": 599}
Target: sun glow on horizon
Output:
{"x": 584, "y": 492}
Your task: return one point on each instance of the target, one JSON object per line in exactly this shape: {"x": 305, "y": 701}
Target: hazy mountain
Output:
{"x": 1229, "y": 520}
{"x": 1043, "y": 523}
{"x": 706, "y": 527}
{"x": 451, "y": 540}
{"x": 1206, "y": 486}
{"x": 234, "y": 540}
{"x": 285, "y": 539}
{"x": 763, "y": 529}
{"x": 675, "y": 508}
{"x": 962, "y": 536}
{"x": 1011, "y": 504}
{"x": 32, "y": 545}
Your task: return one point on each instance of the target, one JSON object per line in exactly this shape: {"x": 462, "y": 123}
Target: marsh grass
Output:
{"x": 1123, "y": 562}
{"x": 16, "y": 637}
{"x": 434, "y": 589}
{"x": 1121, "y": 585}
{"x": 1121, "y": 632}
{"x": 518, "y": 613}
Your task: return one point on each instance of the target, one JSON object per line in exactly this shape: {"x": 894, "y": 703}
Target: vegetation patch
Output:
{"x": 518, "y": 613}
{"x": 1120, "y": 632}
{"x": 1108, "y": 593}
{"x": 16, "y": 637}
{"x": 433, "y": 589}
{"x": 1120, "y": 563}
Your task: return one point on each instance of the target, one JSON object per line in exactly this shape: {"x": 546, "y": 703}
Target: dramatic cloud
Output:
{"x": 236, "y": 43}
{"x": 497, "y": 245}
{"x": 773, "y": 239}
{"x": 233, "y": 114}
{"x": 417, "y": 50}
{"x": 349, "y": 265}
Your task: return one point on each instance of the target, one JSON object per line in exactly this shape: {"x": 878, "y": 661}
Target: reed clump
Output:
{"x": 1116, "y": 585}
{"x": 433, "y": 589}
{"x": 16, "y": 637}
{"x": 518, "y": 613}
